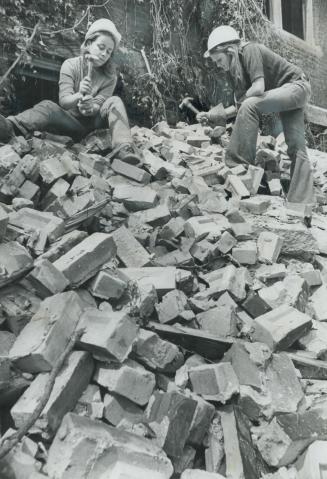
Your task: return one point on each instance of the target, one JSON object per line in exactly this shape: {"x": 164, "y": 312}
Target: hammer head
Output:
{"x": 186, "y": 102}
{"x": 90, "y": 58}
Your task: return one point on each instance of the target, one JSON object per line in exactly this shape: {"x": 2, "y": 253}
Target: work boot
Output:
{"x": 6, "y": 129}
{"x": 128, "y": 153}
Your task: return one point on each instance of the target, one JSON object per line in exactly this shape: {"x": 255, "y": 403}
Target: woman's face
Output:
{"x": 221, "y": 59}
{"x": 101, "y": 49}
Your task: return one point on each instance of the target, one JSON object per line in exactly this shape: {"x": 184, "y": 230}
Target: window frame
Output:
{"x": 276, "y": 17}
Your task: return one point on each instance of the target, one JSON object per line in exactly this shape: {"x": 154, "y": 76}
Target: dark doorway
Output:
{"x": 29, "y": 91}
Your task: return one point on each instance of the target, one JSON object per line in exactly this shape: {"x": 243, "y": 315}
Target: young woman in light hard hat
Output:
{"x": 85, "y": 97}
{"x": 263, "y": 82}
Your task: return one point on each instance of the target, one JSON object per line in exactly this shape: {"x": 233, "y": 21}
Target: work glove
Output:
{"x": 217, "y": 115}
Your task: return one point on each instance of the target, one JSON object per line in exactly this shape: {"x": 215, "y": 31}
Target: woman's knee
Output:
{"x": 249, "y": 104}
{"x": 112, "y": 102}
{"x": 47, "y": 105}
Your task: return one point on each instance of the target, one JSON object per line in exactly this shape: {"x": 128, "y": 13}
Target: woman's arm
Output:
{"x": 69, "y": 79}
{"x": 257, "y": 88}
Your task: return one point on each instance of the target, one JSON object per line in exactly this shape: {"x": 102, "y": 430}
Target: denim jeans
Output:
{"x": 48, "y": 116}
{"x": 289, "y": 101}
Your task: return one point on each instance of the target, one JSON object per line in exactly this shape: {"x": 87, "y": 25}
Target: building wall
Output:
{"x": 311, "y": 55}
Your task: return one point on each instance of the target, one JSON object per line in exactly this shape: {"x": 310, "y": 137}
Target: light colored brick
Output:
{"x": 135, "y": 198}
{"x": 281, "y": 327}
{"x": 108, "y": 335}
{"x": 82, "y": 444}
{"x": 43, "y": 339}
{"x": 245, "y": 252}
{"x": 215, "y": 382}
{"x": 198, "y": 227}
{"x": 130, "y": 252}
{"x": 14, "y": 262}
{"x": 130, "y": 171}
{"x": 69, "y": 385}
{"x": 108, "y": 284}
{"x": 46, "y": 279}
{"x": 85, "y": 259}
{"x": 33, "y": 220}
{"x": 157, "y": 354}
{"x": 130, "y": 380}
{"x": 172, "y": 304}
{"x": 269, "y": 247}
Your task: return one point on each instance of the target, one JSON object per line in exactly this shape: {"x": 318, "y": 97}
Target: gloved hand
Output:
{"x": 202, "y": 117}
{"x": 217, "y": 115}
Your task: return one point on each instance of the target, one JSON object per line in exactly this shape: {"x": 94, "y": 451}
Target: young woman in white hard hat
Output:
{"x": 85, "y": 97}
{"x": 264, "y": 82}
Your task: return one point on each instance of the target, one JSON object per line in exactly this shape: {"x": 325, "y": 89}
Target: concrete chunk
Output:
{"x": 33, "y": 220}
{"x": 199, "y": 227}
{"x": 82, "y": 444}
{"x": 108, "y": 335}
{"x": 117, "y": 408}
{"x": 46, "y": 335}
{"x": 130, "y": 380}
{"x": 69, "y": 385}
{"x": 313, "y": 463}
{"x": 163, "y": 279}
{"x": 135, "y": 198}
{"x": 172, "y": 305}
{"x": 319, "y": 303}
{"x": 14, "y": 262}
{"x": 269, "y": 247}
{"x": 46, "y": 279}
{"x": 130, "y": 171}
{"x": 130, "y": 252}
{"x": 216, "y": 382}
{"x": 85, "y": 259}
{"x": 170, "y": 415}
{"x": 229, "y": 279}
{"x": 281, "y": 327}
{"x": 156, "y": 353}
{"x": 108, "y": 284}
{"x": 4, "y": 219}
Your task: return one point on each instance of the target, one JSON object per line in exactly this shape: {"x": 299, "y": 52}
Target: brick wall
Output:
{"x": 313, "y": 59}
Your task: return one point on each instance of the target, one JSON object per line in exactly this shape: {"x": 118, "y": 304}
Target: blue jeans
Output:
{"x": 48, "y": 116}
{"x": 289, "y": 101}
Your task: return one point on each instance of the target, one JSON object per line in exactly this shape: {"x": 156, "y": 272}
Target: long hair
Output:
{"x": 236, "y": 70}
{"x": 109, "y": 66}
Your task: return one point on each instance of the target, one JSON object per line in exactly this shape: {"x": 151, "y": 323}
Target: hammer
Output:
{"x": 187, "y": 103}
{"x": 90, "y": 59}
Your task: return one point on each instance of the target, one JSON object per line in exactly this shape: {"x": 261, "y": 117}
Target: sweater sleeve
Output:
{"x": 67, "y": 80}
{"x": 106, "y": 90}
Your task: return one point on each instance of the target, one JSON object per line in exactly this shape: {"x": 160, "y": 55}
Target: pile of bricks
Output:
{"x": 200, "y": 301}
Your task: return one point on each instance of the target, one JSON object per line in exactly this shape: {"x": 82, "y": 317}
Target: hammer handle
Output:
{"x": 192, "y": 108}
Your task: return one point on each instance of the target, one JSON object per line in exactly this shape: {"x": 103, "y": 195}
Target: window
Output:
{"x": 293, "y": 16}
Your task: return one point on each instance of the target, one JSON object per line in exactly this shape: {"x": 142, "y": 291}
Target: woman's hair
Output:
{"x": 236, "y": 69}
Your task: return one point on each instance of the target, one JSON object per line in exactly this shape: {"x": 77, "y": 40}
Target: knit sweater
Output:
{"x": 74, "y": 70}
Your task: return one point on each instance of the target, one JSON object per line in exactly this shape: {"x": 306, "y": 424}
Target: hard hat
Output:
{"x": 104, "y": 25}
{"x": 221, "y": 35}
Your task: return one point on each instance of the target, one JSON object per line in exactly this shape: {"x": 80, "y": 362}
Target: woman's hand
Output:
{"x": 87, "y": 107}
{"x": 257, "y": 88}
{"x": 202, "y": 117}
{"x": 85, "y": 87}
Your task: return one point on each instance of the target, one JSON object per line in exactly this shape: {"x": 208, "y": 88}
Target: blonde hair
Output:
{"x": 236, "y": 70}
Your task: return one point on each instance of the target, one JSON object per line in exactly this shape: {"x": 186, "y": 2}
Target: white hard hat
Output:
{"x": 104, "y": 25}
{"x": 221, "y": 35}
